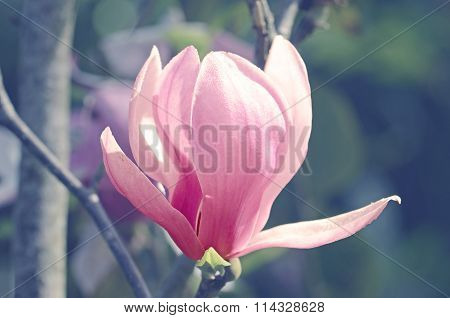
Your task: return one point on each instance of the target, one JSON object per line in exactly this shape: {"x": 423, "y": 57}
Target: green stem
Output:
{"x": 210, "y": 286}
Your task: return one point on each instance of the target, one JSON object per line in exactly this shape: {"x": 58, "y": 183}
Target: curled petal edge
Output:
{"x": 311, "y": 234}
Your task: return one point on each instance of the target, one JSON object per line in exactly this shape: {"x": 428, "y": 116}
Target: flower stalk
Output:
{"x": 212, "y": 284}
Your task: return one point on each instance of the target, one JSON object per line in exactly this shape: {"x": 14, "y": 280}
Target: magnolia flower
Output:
{"x": 225, "y": 209}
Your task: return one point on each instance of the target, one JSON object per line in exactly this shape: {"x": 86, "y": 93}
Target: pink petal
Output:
{"x": 172, "y": 109}
{"x": 257, "y": 75}
{"x": 173, "y": 104}
{"x": 137, "y": 188}
{"x": 141, "y": 125}
{"x": 287, "y": 70}
{"x": 310, "y": 234}
{"x": 187, "y": 196}
{"x": 224, "y": 99}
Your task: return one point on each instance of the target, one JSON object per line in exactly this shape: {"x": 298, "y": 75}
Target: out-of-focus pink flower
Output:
{"x": 226, "y": 209}
{"x": 133, "y": 45}
{"x": 104, "y": 106}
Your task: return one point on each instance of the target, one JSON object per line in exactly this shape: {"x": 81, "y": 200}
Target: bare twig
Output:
{"x": 287, "y": 21}
{"x": 315, "y": 16}
{"x": 263, "y": 23}
{"x": 89, "y": 199}
{"x": 97, "y": 177}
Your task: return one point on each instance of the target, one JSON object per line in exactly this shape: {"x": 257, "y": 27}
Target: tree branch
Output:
{"x": 315, "y": 16}
{"x": 263, "y": 23}
{"x": 89, "y": 199}
{"x": 40, "y": 212}
{"x": 287, "y": 21}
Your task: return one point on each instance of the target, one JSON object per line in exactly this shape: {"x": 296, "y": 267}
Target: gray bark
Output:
{"x": 264, "y": 25}
{"x": 40, "y": 216}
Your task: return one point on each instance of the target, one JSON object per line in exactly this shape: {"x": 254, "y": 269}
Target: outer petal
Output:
{"x": 226, "y": 102}
{"x": 173, "y": 104}
{"x": 172, "y": 109}
{"x": 144, "y": 141}
{"x": 287, "y": 70}
{"x": 257, "y": 75}
{"x": 310, "y": 234}
{"x": 135, "y": 186}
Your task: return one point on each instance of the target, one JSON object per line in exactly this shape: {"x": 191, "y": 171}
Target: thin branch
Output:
{"x": 264, "y": 25}
{"x": 310, "y": 23}
{"x": 315, "y": 16}
{"x": 97, "y": 177}
{"x": 89, "y": 199}
{"x": 287, "y": 21}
